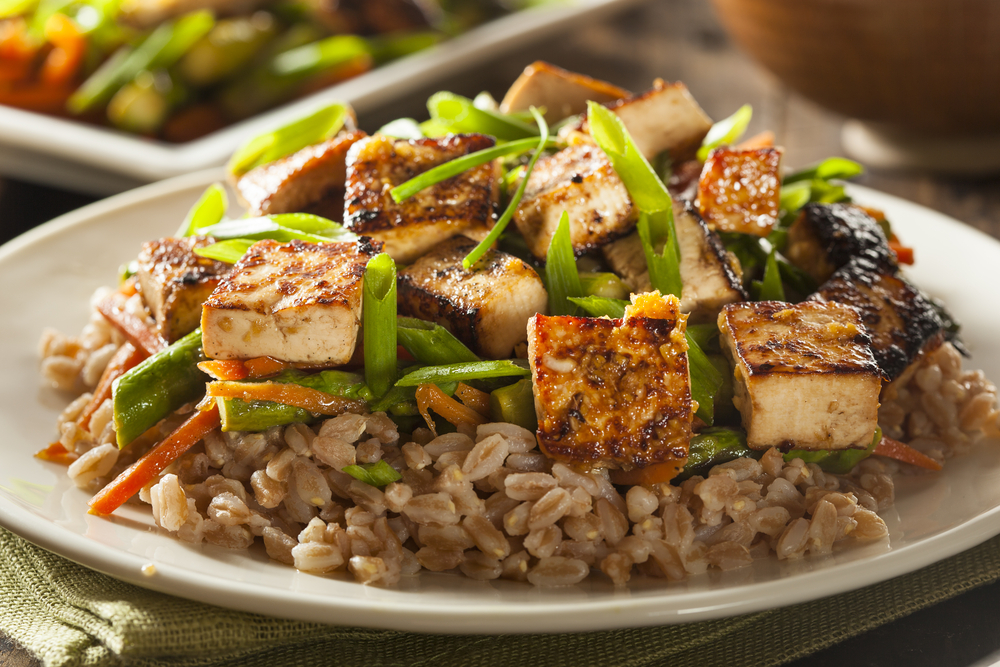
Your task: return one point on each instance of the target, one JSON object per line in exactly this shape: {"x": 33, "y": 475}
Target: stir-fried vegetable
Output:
{"x": 473, "y": 370}
{"x": 431, "y": 343}
{"x": 285, "y": 140}
{"x": 726, "y": 131}
{"x": 380, "y": 324}
{"x": 561, "y": 276}
{"x": 377, "y": 474}
{"x": 207, "y": 211}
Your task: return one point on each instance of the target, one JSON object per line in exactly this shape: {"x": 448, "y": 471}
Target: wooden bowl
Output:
{"x": 930, "y": 66}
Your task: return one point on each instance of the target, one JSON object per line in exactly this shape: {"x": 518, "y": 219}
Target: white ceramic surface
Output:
{"x": 49, "y": 273}
{"x": 52, "y": 150}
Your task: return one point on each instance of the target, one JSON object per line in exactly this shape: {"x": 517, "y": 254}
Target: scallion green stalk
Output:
{"x": 726, "y": 131}
{"x": 207, "y": 211}
{"x": 512, "y": 205}
{"x": 379, "y": 314}
{"x": 475, "y": 370}
{"x": 310, "y": 59}
{"x": 229, "y": 251}
{"x": 274, "y": 145}
{"x": 431, "y": 343}
{"x": 832, "y": 167}
{"x": 561, "y": 276}
{"x": 598, "y": 306}
{"x": 771, "y": 288}
{"x": 705, "y": 380}
{"x": 461, "y": 115}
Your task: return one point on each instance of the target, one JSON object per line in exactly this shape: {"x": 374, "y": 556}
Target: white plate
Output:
{"x": 53, "y": 150}
{"x": 50, "y": 272}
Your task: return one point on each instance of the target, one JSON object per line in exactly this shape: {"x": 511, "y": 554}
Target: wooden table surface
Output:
{"x": 682, "y": 40}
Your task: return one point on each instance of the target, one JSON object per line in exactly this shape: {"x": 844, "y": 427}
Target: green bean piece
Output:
{"x": 460, "y": 115}
{"x": 451, "y": 168}
{"x": 157, "y": 387}
{"x": 229, "y": 251}
{"x": 207, "y": 211}
{"x": 102, "y": 84}
{"x": 512, "y": 205}
{"x": 561, "y": 276}
{"x": 311, "y": 59}
{"x": 379, "y": 314}
{"x": 227, "y": 47}
{"x": 515, "y": 404}
{"x": 257, "y": 416}
{"x": 431, "y": 343}
{"x": 838, "y": 462}
{"x": 726, "y": 131}
{"x": 605, "y": 285}
{"x": 318, "y": 126}
{"x": 376, "y": 474}
{"x": 474, "y": 370}
{"x": 597, "y": 306}
{"x": 714, "y": 446}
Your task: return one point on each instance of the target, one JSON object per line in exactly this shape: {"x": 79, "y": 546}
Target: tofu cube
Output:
{"x": 301, "y": 181}
{"x": 613, "y": 394}
{"x": 804, "y": 376}
{"x": 299, "y": 302}
{"x": 463, "y": 204}
{"x": 559, "y": 92}
{"x": 739, "y": 190}
{"x": 175, "y": 282}
{"x": 825, "y": 237}
{"x": 900, "y": 320}
{"x": 486, "y": 307}
{"x": 581, "y": 181}
{"x": 710, "y": 274}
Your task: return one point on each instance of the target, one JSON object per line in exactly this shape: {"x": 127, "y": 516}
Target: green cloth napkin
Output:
{"x": 68, "y": 615}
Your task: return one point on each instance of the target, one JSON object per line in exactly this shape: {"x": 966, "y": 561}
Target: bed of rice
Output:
{"x": 486, "y": 502}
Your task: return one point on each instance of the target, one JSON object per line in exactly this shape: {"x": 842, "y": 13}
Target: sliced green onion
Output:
{"x": 796, "y": 278}
{"x": 833, "y": 167}
{"x": 706, "y": 335}
{"x": 795, "y": 195}
{"x": 229, "y": 251}
{"x": 312, "y": 224}
{"x": 374, "y": 474}
{"x": 269, "y": 228}
{"x": 460, "y": 115}
{"x": 714, "y": 446}
{"x": 726, "y": 131}
{"x": 392, "y": 46}
{"x": 451, "y": 168}
{"x": 309, "y": 59}
{"x": 706, "y": 380}
{"x": 431, "y": 343}
{"x": 606, "y": 285}
{"x": 274, "y": 145}
{"x": 474, "y": 370}
{"x": 379, "y": 314}
{"x": 561, "y": 276}
{"x": 597, "y": 306}
{"x": 515, "y": 404}
{"x": 840, "y": 461}
{"x": 207, "y": 211}
{"x": 664, "y": 268}
{"x": 771, "y": 288}
{"x": 402, "y": 128}
{"x": 515, "y": 201}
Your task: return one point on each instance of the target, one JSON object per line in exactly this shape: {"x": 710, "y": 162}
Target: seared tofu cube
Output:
{"x": 559, "y": 92}
{"x": 581, "y": 181}
{"x": 825, "y": 237}
{"x": 804, "y": 376}
{"x": 463, "y": 204}
{"x": 613, "y": 394}
{"x": 710, "y": 274}
{"x": 175, "y": 282}
{"x": 739, "y": 190}
{"x": 486, "y": 307}
{"x": 899, "y": 319}
{"x": 302, "y": 180}
{"x": 299, "y": 302}
{"x": 663, "y": 119}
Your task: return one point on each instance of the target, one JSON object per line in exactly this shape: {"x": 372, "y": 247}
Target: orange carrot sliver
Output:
{"x": 224, "y": 369}
{"x": 904, "y": 254}
{"x": 430, "y": 396}
{"x": 763, "y": 140}
{"x": 126, "y": 358}
{"x": 63, "y": 62}
{"x": 130, "y": 326}
{"x": 153, "y": 462}
{"x": 653, "y": 474}
{"x": 307, "y": 398}
{"x": 262, "y": 367}
{"x": 894, "y": 449}
{"x": 474, "y": 398}
{"x": 56, "y": 453}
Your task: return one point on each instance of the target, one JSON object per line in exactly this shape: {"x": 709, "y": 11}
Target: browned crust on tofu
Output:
{"x": 739, "y": 190}
{"x": 841, "y": 348}
{"x": 575, "y": 90}
{"x": 825, "y": 237}
{"x": 899, "y": 319}
{"x": 301, "y": 180}
{"x": 175, "y": 282}
{"x": 438, "y": 289}
{"x": 296, "y": 273}
{"x": 625, "y": 403}
{"x": 377, "y": 164}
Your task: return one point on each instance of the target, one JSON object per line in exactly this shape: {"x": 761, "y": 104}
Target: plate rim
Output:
{"x": 574, "y": 614}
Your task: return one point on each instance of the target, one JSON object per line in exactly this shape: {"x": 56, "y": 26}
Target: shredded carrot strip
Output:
{"x": 763, "y": 140}
{"x": 474, "y": 398}
{"x": 63, "y": 62}
{"x": 126, "y": 358}
{"x": 307, "y": 398}
{"x": 130, "y": 326}
{"x": 127, "y": 288}
{"x": 262, "y": 367}
{"x": 904, "y": 254}
{"x": 430, "y": 396}
{"x": 224, "y": 369}
{"x": 653, "y": 474}
{"x": 894, "y": 449}
{"x": 153, "y": 462}
{"x": 56, "y": 453}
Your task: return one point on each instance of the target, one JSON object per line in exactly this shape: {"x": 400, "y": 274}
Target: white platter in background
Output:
{"x": 52, "y": 270}
{"x": 98, "y": 160}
